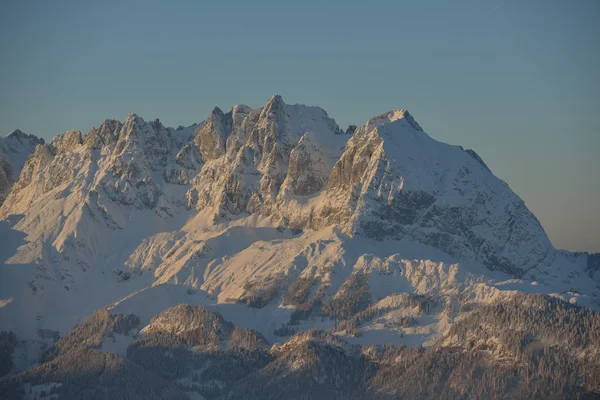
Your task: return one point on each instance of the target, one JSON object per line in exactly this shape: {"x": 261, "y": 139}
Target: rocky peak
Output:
{"x": 274, "y": 107}
{"x": 15, "y": 149}
{"x": 22, "y": 136}
{"x": 151, "y": 138}
{"x": 399, "y": 116}
{"x": 240, "y": 110}
{"x": 16, "y": 133}
{"x": 267, "y": 146}
{"x": 398, "y": 182}
{"x": 211, "y": 137}
{"x": 216, "y": 113}
{"x": 17, "y": 141}
{"x": 133, "y": 126}
{"x": 138, "y": 130}
{"x": 66, "y": 142}
{"x": 105, "y": 135}
{"x": 110, "y": 126}
{"x": 132, "y": 117}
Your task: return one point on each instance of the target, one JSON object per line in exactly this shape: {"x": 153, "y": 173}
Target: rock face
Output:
{"x": 14, "y": 151}
{"x": 257, "y": 159}
{"x": 307, "y": 169}
{"x": 394, "y": 181}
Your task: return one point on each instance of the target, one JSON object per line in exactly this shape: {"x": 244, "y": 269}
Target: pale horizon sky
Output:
{"x": 517, "y": 81}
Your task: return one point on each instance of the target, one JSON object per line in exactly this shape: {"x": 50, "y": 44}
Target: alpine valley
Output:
{"x": 268, "y": 254}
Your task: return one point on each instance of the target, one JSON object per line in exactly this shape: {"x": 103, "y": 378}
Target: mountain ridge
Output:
{"x": 277, "y": 219}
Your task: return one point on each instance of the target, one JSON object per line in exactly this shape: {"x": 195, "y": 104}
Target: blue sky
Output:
{"x": 518, "y": 81}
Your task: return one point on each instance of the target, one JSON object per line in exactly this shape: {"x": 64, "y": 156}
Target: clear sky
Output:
{"x": 516, "y": 80}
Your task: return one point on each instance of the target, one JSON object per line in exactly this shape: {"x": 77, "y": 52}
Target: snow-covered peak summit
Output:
{"x": 15, "y": 148}
{"x": 18, "y": 133}
{"x": 132, "y": 117}
{"x": 18, "y": 136}
{"x": 395, "y": 181}
{"x": 67, "y": 141}
{"x": 132, "y": 122}
{"x": 391, "y": 117}
{"x": 105, "y": 135}
{"x": 216, "y": 112}
{"x": 275, "y": 99}
{"x": 241, "y": 108}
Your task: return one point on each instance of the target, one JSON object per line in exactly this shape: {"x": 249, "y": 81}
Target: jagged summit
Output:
{"x": 274, "y": 99}
{"x": 216, "y": 111}
{"x": 393, "y": 116}
{"x": 20, "y": 135}
{"x": 15, "y": 148}
{"x": 351, "y": 129}
{"x": 17, "y": 132}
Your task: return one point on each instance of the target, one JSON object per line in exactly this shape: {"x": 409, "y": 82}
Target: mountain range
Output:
{"x": 267, "y": 253}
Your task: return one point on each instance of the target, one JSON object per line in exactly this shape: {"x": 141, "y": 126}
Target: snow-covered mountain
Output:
{"x": 14, "y": 151}
{"x": 275, "y": 218}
